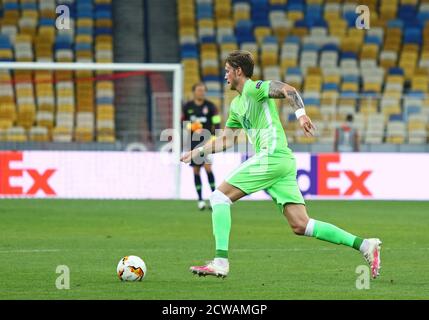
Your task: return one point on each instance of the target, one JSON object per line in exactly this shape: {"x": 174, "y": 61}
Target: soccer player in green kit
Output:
{"x": 272, "y": 168}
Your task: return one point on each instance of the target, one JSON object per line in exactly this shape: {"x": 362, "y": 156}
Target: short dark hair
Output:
{"x": 241, "y": 59}
{"x": 198, "y": 84}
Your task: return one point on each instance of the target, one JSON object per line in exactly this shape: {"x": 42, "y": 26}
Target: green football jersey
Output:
{"x": 257, "y": 114}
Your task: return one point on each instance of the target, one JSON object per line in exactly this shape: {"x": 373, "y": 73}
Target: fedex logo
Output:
{"x": 319, "y": 175}
{"x": 40, "y": 178}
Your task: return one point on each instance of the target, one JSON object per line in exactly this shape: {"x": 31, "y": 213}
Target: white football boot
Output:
{"x": 372, "y": 256}
{"x": 211, "y": 269}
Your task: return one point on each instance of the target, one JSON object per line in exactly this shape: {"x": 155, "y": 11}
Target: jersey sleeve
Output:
{"x": 258, "y": 90}
{"x": 215, "y": 116}
{"x": 233, "y": 121}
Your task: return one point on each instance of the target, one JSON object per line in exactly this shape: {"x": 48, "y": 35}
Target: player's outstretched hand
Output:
{"x": 187, "y": 157}
{"x": 306, "y": 125}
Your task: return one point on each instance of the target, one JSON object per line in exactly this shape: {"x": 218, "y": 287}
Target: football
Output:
{"x": 131, "y": 268}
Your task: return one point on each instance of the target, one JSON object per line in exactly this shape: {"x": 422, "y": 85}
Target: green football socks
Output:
{"x": 221, "y": 219}
{"x": 328, "y": 232}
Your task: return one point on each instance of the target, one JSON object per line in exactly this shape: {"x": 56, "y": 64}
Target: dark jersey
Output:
{"x": 200, "y": 117}
{"x": 205, "y": 114}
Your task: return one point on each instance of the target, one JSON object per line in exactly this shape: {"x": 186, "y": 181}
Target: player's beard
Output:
{"x": 233, "y": 85}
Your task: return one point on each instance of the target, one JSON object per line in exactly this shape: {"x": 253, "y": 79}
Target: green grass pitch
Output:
{"x": 267, "y": 260}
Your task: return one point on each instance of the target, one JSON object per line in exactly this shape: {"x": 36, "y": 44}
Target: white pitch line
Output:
{"x": 29, "y": 251}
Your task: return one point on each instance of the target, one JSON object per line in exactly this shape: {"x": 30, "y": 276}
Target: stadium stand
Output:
{"x": 380, "y": 75}
{"x": 52, "y": 105}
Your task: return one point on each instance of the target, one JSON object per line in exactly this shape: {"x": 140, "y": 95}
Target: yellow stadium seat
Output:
{"x": 350, "y": 86}
{"x": 26, "y": 115}
{"x": 222, "y": 9}
{"x": 372, "y": 86}
{"x": 294, "y": 15}
{"x": 7, "y": 111}
{"x": 103, "y": 23}
{"x": 62, "y": 134}
{"x": 39, "y": 134}
{"x": 106, "y": 138}
{"x": 16, "y": 134}
{"x": 83, "y": 134}
{"x": 261, "y": 32}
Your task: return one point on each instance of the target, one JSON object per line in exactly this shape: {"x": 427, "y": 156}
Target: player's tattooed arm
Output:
{"x": 276, "y": 90}
{"x": 282, "y": 90}
{"x": 295, "y": 100}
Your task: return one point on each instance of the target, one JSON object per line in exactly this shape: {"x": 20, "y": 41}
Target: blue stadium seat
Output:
{"x": 413, "y": 110}
{"x": 86, "y": 5}
{"x": 29, "y": 6}
{"x": 105, "y": 100}
{"x": 350, "y": 17}
{"x": 259, "y": 12}
{"x": 320, "y": 23}
{"x": 103, "y": 14}
{"x": 406, "y": 12}
{"x": 5, "y": 42}
{"x": 313, "y": 13}
{"x": 292, "y": 39}
{"x": 212, "y": 78}
{"x": 330, "y": 47}
{"x": 189, "y": 55}
{"x": 10, "y": 6}
{"x": 270, "y": 39}
{"x": 46, "y": 22}
{"x": 350, "y": 78}
{"x": 204, "y": 11}
{"x": 244, "y": 31}
{"x": 423, "y": 17}
{"x": 413, "y": 35}
{"x": 396, "y": 117}
{"x": 416, "y": 94}
{"x": 311, "y": 101}
{"x": 208, "y": 39}
{"x": 295, "y": 5}
{"x": 84, "y": 30}
{"x": 262, "y": 3}
{"x": 85, "y": 14}
{"x": 330, "y": 87}
{"x": 349, "y": 95}
{"x": 103, "y": 31}
{"x": 373, "y": 39}
{"x": 348, "y": 55}
{"x": 85, "y": 2}
{"x": 228, "y": 39}
{"x": 103, "y": 6}
{"x": 278, "y": 7}
{"x": 396, "y": 71}
{"x": 310, "y": 47}
{"x": 302, "y": 23}
{"x": 294, "y": 71}
{"x": 82, "y": 46}
{"x": 395, "y": 23}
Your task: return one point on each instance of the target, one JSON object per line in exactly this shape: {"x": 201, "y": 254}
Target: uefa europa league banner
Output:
{"x": 154, "y": 175}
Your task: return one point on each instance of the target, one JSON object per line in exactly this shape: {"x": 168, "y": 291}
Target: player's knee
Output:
{"x": 218, "y": 197}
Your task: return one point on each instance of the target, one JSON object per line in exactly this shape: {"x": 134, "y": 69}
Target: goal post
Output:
{"x": 177, "y": 89}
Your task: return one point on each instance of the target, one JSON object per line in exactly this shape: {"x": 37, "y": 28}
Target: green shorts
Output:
{"x": 275, "y": 173}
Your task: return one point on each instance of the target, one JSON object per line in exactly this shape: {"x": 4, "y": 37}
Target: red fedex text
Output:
{"x": 319, "y": 175}
{"x": 40, "y": 179}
